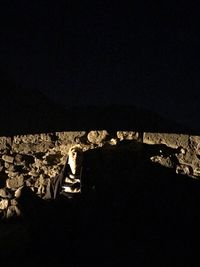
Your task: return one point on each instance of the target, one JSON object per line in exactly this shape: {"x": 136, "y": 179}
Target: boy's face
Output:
{"x": 75, "y": 159}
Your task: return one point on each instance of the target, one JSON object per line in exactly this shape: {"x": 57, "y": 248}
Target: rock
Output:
{"x": 4, "y": 193}
{"x": 171, "y": 140}
{"x": 45, "y": 169}
{"x": 46, "y": 137}
{"x": 196, "y": 172}
{"x": 195, "y": 143}
{"x": 42, "y": 147}
{"x": 69, "y": 137}
{"x": 29, "y": 139}
{"x": 167, "y": 162}
{"x": 188, "y": 158}
{"x": 184, "y": 169}
{"x": 11, "y": 168}
{"x": 33, "y": 173}
{"x": 127, "y": 135}
{"x": 113, "y": 142}
{"x": 3, "y": 204}
{"x": 19, "y": 160}
{"x": 17, "y": 140}
{"x": 52, "y": 172}
{"x": 18, "y": 192}
{"x": 97, "y": 137}
{"x": 5, "y": 142}
{"x": 37, "y": 164}
{"x": 183, "y": 151}
{"x": 7, "y": 165}
{"x": 33, "y": 139}
{"x": 8, "y": 158}
{"x": 12, "y": 174}
{"x": 15, "y": 182}
{"x": 22, "y": 148}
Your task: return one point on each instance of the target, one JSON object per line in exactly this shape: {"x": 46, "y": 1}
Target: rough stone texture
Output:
{"x": 4, "y": 193}
{"x": 194, "y": 144}
{"x": 69, "y": 137}
{"x": 167, "y": 162}
{"x": 127, "y": 135}
{"x": 35, "y": 159}
{"x": 5, "y": 142}
{"x": 97, "y": 137}
{"x": 3, "y": 204}
{"x": 15, "y": 182}
{"x": 172, "y": 140}
{"x": 8, "y": 158}
{"x": 187, "y": 155}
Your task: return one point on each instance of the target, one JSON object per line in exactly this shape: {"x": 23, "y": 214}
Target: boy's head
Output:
{"x": 75, "y": 158}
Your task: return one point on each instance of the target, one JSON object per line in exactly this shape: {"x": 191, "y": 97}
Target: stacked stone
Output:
{"x": 33, "y": 160}
{"x": 187, "y": 153}
{"x": 30, "y": 160}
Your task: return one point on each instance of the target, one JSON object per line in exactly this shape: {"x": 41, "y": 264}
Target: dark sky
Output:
{"x": 104, "y": 52}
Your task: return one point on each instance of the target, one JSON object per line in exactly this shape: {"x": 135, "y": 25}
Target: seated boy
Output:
{"x": 68, "y": 182}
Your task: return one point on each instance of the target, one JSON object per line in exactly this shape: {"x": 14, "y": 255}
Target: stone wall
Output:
{"x": 33, "y": 160}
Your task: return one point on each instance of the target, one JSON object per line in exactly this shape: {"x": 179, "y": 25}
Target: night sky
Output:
{"x": 103, "y": 52}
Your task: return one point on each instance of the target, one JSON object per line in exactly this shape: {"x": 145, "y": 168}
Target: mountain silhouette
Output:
{"x": 25, "y": 111}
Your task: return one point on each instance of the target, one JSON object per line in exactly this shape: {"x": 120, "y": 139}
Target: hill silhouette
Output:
{"x": 25, "y": 111}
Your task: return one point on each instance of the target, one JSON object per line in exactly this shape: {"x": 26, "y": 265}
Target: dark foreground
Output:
{"x": 131, "y": 213}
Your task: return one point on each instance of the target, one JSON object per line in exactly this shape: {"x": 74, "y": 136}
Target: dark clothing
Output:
{"x": 55, "y": 190}
{"x": 54, "y": 187}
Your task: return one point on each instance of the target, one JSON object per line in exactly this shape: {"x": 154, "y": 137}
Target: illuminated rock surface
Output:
{"x": 134, "y": 204}
{"x": 33, "y": 160}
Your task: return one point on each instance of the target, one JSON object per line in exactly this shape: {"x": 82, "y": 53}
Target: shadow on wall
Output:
{"x": 131, "y": 212}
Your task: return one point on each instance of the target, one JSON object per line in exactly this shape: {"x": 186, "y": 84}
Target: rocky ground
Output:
{"x": 34, "y": 160}
{"x": 132, "y": 212}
